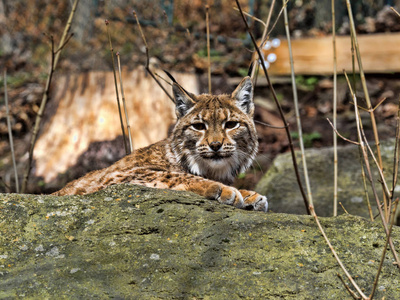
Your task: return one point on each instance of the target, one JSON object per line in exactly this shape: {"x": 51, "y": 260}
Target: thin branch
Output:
{"x": 273, "y": 25}
{"x": 208, "y": 48}
{"x": 163, "y": 79}
{"x": 279, "y": 109}
{"x": 393, "y": 217}
{"x": 60, "y": 47}
{"x": 128, "y": 127}
{"x": 361, "y": 156}
{"x": 385, "y": 187}
{"x": 10, "y": 132}
{"x": 360, "y": 107}
{"x": 335, "y": 153}
{"x": 336, "y": 256}
{"x": 370, "y": 178}
{"x": 352, "y": 293}
{"x": 396, "y": 157}
{"x": 380, "y": 102}
{"x": 366, "y": 94}
{"x": 253, "y": 17}
{"x": 264, "y": 35}
{"x": 5, "y": 184}
{"x": 54, "y": 60}
{"x": 269, "y": 125}
{"x": 296, "y": 106}
{"x": 341, "y": 136}
{"x": 340, "y": 203}
{"x": 392, "y": 8}
{"x": 147, "y": 67}
{"x": 116, "y": 90}
{"x": 64, "y": 38}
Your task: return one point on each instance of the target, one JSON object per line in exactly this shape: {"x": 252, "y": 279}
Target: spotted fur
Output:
{"x": 213, "y": 141}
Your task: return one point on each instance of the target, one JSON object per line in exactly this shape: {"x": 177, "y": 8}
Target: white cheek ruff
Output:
{"x": 194, "y": 168}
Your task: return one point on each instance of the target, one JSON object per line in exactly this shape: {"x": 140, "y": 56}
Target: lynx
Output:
{"x": 213, "y": 140}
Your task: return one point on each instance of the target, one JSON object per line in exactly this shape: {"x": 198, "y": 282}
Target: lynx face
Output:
{"x": 215, "y": 136}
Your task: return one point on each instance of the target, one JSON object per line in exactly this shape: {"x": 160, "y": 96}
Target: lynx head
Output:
{"x": 215, "y": 136}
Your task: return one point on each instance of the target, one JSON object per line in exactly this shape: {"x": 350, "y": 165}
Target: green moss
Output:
{"x": 136, "y": 242}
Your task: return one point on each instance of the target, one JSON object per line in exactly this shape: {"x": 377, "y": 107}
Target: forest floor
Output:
{"x": 182, "y": 48}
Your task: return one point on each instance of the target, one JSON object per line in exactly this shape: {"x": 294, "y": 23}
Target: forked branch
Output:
{"x": 55, "y": 55}
{"x": 147, "y": 67}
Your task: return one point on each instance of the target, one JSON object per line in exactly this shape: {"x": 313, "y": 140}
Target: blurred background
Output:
{"x": 80, "y": 129}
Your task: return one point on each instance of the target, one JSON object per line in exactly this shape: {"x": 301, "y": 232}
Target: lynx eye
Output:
{"x": 199, "y": 126}
{"x": 231, "y": 125}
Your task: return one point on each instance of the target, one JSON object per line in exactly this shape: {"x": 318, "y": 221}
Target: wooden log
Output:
{"x": 314, "y": 56}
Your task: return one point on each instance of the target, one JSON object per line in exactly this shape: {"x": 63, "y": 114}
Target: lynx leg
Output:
{"x": 217, "y": 191}
{"x": 254, "y": 200}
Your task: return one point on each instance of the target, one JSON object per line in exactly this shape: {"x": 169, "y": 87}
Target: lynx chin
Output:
{"x": 213, "y": 140}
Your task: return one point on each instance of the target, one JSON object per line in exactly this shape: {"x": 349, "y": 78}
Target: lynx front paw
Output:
{"x": 254, "y": 201}
{"x": 231, "y": 196}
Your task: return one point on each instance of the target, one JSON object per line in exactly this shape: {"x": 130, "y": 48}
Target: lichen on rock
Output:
{"x": 140, "y": 243}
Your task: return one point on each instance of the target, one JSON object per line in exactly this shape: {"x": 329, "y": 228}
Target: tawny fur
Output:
{"x": 213, "y": 140}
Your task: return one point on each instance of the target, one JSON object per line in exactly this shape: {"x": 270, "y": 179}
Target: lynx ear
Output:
{"x": 243, "y": 95}
{"x": 183, "y": 101}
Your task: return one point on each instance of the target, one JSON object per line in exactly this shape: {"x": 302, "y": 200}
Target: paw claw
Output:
{"x": 254, "y": 201}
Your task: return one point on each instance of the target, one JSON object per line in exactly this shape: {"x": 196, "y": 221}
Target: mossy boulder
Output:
{"x": 280, "y": 186}
{"x": 133, "y": 242}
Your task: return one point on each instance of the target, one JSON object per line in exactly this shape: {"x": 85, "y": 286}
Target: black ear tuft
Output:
{"x": 243, "y": 95}
{"x": 250, "y": 68}
{"x": 183, "y": 102}
{"x": 174, "y": 81}
{"x": 170, "y": 76}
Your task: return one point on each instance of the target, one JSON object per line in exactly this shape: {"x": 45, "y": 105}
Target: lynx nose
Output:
{"x": 215, "y": 146}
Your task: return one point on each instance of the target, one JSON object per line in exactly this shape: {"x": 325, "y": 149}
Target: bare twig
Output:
{"x": 370, "y": 178}
{"x": 366, "y": 94}
{"x": 208, "y": 48}
{"x": 392, "y": 8}
{"x": 352, "y": 293}
{"x": 116, "y": 90}
{"x": 396, "y": 155}
{"x": 385, "y": 187}
{"x": 163, "y": 79}
{"x": 380, "y": 102}
{"x": 147, "y": 67}
{"x": 336, "y": 256}
{"x": 253, "y": 17}
{"x": 335, "y": 154}
{"x": 393, "y": 217}
{"x": 55, "y": 55}
{"x": 10, "y": 132}
{"x": 128, "y": 127}
{"x": 341, "y": 136}
{"x": 273, "y": 25}
{"x": 340, "y": 203}
{"x": 361, "y": 155}
{"x": 264, "y": 35}
{"x": 2, "y": 181}
{"x": 296, "y": 107}
{"x": 279, "y": 109}
{"x": 269, "y": 125}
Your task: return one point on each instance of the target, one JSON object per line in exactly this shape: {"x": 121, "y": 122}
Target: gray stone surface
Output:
{"x": 132, "y": 242}
{"x": 280, "y": 186}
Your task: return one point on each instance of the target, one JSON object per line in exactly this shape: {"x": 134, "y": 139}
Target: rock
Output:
{"x": 280, "y": 186}
{"x": 133, "y": 242}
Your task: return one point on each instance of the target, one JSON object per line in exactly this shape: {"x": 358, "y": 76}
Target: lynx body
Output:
{"x": 213, "y": 140}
